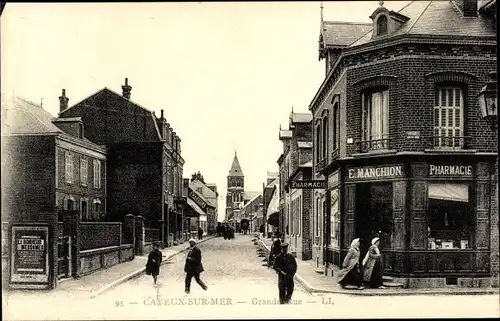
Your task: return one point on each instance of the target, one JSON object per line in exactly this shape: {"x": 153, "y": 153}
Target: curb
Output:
{"x": 312, "y": 289}
{"x": 138, "y": 272}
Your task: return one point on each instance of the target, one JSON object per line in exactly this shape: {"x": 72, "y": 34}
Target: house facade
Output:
{"x": 49, "y": 162}
{"x": 209, "y": 193}
{"x": 144, "y": 168}
{"x": 400, "y": 141}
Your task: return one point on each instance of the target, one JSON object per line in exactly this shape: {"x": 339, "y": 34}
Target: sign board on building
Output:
{"x": 375, "y": 172}
{"x": 334, "y": 179}
{"x": 29, "y": 257}
{"x": 450, "y": 170}
{"x": 308, "y": 184}
{"x": 414, "y": 134}
{"x": 197, "y": 199}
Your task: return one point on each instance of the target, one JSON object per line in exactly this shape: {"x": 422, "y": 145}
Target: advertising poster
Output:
{"x": 29, "y": 257}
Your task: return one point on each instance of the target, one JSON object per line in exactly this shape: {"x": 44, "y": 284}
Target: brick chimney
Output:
{"x": 126, "y": 89}
{"x": 63, "y": 101}
{"x": 468, "y": 7}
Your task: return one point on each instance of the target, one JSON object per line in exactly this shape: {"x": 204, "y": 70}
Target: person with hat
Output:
{"x": 275, "y": 250}
{"x": 154, "y": 260}
{"x": 372, "y": 267}
{"x": 286, "y": 267}
{"x": 193, "y": 266}
{"x": 350, "y": 273}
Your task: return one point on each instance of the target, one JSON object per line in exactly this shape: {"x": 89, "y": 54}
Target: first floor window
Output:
{"x": 450, "y": 223}
{"x": 334, "y": 218}
{"x": 84, "y": 211}
{"x": 375, "y": 120}
{"x": 448, "y": 117}
{"x": 97, "y": 173}
{"x": 97, "y": 209}
{"x": 69, "y": 203}
{"x": 83, "y": 171}
{"x": 68, "y": 158}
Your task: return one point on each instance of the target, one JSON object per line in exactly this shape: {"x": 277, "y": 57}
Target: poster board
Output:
{"x": 29, "y": 256}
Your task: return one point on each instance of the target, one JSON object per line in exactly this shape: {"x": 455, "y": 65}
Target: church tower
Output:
{"x": 235, "y": 188}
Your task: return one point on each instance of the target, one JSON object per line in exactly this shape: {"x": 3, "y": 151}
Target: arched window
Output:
{"x": 336, "y": 126}
{"x": 382, "y": 25}
{"x": 325, "y": 137}
{"x": 318, "y": 141}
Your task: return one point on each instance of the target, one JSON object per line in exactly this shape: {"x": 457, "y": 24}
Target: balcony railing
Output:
{"x": 320, "y": 165}
{"x": 371, "y": 145}
{"x": 451, "y": 142}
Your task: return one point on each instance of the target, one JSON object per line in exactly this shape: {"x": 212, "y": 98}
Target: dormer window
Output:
{"x": 382, "y": 25}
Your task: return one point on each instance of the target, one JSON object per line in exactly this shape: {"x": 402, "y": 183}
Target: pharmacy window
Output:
{"x": 334, "y": 218}
{"x": 450, "y": 219}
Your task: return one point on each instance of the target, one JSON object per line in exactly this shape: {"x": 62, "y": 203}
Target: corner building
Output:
{"x": 400, "y": 140}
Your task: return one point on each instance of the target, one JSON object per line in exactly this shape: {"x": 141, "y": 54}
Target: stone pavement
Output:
{"x": 315, "y": 282}
{"x": 102, "y": 280}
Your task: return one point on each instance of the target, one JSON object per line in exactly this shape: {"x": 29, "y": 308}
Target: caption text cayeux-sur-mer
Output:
{"x": 159, "y": 301}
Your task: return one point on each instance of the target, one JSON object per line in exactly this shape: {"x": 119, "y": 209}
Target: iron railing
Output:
{"x": 454, "y": 142}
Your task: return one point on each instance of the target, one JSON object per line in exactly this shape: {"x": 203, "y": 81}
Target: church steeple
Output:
{"x": 235, "y": 170}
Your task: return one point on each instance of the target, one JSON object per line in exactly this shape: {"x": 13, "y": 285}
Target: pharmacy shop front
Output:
{"x": 432, "y": 215}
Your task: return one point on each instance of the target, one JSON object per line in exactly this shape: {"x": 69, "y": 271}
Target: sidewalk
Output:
{"x": 105, "y": 279}
{"x": 319, "y": 283}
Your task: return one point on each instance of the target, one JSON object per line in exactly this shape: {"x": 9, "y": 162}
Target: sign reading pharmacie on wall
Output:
{"x": 450, "y": 170}
{"x": 29, "y": 257}
{"x": 197, "y": 199}
{"x": 308, "y": 184}
{"x": 374, "y": 172}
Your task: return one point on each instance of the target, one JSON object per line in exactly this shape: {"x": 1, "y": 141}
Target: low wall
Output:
{"x": 96, "y": 259}
{"x": 96, "y": 235}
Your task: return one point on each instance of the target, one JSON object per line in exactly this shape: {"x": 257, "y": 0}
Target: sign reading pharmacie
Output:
{"x": 308, "y": 184}
{"x": 29, "y": 257}
{"x": 450, "y": 170}
{"x": 197, "y": 199}
{"x": 374, "y": 172}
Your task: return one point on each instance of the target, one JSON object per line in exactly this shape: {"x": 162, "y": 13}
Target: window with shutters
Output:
{"x": 97, "y": 173}
{"x": 68, "y": 158}
{"x": 448, "y": 117}
{"x": 83, "y": 171}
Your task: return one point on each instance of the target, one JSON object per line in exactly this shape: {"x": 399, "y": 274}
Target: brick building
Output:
{"x": 48, "y": 162}
{"x": 144, "y": 169}
{"x": 297, "y": 166}
{"x": 399, "y": 138}
{"x": 209, "y": 195}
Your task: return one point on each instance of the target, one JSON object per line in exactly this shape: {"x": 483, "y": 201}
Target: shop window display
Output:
{"x": 450, "y": 220}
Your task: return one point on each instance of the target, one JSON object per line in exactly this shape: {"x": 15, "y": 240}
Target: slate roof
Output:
{"x": 436, "y": 18}
{"x": 339, "y": 34}
{"x": 195, "y": 207}
{"x": 235, "y": 170}
{"x": 209, "y": 201}
{"x": 202, "y": 197}
{"x": 25, "y": 117}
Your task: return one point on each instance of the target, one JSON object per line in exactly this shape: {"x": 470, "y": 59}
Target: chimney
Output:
{"x": 161, "y": 114}
{"x": 126, "y": 89}
{"x": 468, "y": 7}
{"x": 63, "y": 101}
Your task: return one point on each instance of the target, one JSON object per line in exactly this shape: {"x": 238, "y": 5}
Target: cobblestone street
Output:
{"x": 239, "y": 286}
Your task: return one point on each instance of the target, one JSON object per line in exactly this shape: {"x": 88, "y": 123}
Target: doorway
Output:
{"x": 373, "y": 216}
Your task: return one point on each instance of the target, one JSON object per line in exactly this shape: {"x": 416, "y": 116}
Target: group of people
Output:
{"x": 285, "y": 266}
{"x": 226, "y": 231}
{"x": 369, "y": 272}
{"x": 193, "y": 266}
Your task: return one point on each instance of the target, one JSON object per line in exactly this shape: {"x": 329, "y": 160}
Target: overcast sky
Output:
{"x": 226, "y": 74}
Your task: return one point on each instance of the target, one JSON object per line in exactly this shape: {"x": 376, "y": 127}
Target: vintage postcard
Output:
{"x": 235, "y": 160}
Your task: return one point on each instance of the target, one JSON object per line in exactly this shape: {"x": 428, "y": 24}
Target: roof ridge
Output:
{"x": 405, "y": 6}
{"x": 418, "y": 18}
{"x": 35, "y": 116}
{"x": 349, "y": 22}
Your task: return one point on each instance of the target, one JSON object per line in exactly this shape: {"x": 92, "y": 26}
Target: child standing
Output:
{"x": 154, "y": 261}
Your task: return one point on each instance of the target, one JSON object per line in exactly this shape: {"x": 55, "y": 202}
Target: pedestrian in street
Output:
{"x": 275, "y": 250}
{"x": 154, "y": 261}
{"x": 372, "y": 267}
{"x": 200, "y": 233}
{"x": 286, "y": 267}
{"x": 350, "y": 273}
{"x": 193, "y": 266}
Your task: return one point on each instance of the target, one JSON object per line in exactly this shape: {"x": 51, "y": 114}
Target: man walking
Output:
{"x": 286, "y": 267}
{"x": 200, "y": 233}
{"x": 193, "y": 266}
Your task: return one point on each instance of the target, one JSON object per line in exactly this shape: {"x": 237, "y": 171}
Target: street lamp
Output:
{"x": 488, "y": 100}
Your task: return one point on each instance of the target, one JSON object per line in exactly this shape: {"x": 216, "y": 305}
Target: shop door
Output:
{"x": 373, "y": 214}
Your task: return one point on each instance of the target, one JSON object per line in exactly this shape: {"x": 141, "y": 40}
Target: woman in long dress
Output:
{"x": 350, "y": 273}
{"x": 372, "y": 267}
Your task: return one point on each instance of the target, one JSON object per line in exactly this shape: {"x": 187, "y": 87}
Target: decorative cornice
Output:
{"x": 372, "y": 80}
